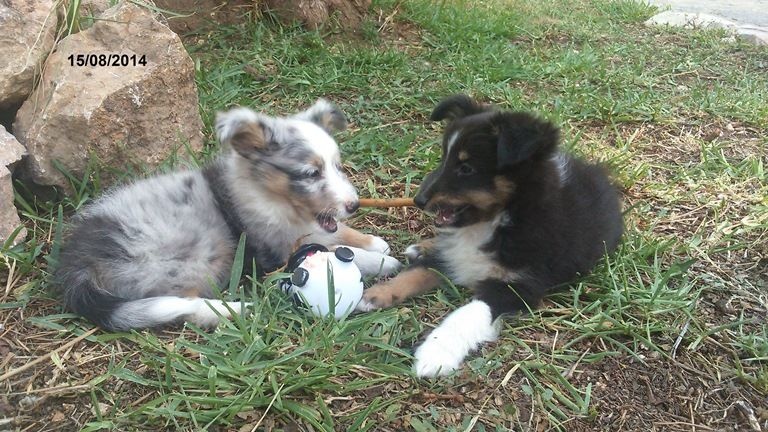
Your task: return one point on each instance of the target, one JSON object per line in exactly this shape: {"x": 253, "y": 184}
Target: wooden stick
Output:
{"x": 386, "y": 202}
{"x": 69, "y": 344}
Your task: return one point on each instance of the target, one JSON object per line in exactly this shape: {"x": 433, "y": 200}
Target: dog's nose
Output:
{"x": 352, "y": 206}
{"x": 420, "y": 201}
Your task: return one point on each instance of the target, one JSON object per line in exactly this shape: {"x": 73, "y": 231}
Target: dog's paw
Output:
{"x": 379, "y": 296}
{"x": 375, "y": 263}
{"x": 365, "y": 305}
{"x": 436, "y": 357}
{"x": 378, "y": 244}
{"x": 462, "y": 331}
{"x": 389, "y": 266}
{"x": 413, "y": 252}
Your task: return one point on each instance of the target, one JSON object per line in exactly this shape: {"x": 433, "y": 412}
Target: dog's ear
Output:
{"x": 455, "y": 107}
{"x": 324, "y": 114}
{"x": 521, "y": 136}
{"x": 245, "y": 131}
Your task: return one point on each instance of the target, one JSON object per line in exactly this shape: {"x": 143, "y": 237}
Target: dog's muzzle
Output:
{"x": 327, "y": 220}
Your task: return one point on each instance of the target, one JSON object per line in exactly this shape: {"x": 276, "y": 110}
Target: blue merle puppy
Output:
{"x": 153, "y": 252}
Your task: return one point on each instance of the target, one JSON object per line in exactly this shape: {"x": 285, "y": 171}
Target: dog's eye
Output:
{"x": 465, "y": 169}
{"x": 312, "y": 174}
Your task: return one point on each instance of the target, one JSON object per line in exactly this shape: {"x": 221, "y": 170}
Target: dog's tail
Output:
{"x": 114, "y": 313}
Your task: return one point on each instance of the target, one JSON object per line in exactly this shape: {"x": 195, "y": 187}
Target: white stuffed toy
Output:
{"x": 314, "y": 267}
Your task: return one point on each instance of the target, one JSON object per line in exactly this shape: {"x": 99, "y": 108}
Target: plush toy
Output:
{"x": 324, "y": 281}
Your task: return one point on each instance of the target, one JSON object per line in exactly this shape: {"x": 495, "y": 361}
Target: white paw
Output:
{"x": 462, "y": 331}
{"x": 437, "y": 356}
{"x": 378, "y": 245}
{"x": 375, "y": 263}
{"x": 388, "y": 266}
{"x": 413, "y": 252}
{"x": 365, "y": 306}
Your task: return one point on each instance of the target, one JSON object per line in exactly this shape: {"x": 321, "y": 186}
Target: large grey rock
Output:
{"x": 27, "y": 36}
{"x": 751, "y": 33}
{"x": 134, "y": 115}
{"x": 10, "y": 153}
{"x": 690, "y": 20}
{"x": 743, "y": 12}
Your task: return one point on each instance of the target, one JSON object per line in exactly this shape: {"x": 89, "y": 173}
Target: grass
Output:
{"x": 667, "y": 334}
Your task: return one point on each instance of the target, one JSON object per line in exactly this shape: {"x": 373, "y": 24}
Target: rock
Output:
{"x": 753, "y": 35}
{"x": 750, "y": 33}
{"x": 743, "y": 12}
{"x": 88, "y": 11}
{"x": 690, "y": 20}
{"x": 29, "y": 29}
{"x": 10, "y": 153}
{"x": 125, "y": 116}
{"x": 93, "y": 8}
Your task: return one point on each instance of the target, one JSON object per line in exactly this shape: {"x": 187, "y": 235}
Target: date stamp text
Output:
{"x": 107, "y": 60}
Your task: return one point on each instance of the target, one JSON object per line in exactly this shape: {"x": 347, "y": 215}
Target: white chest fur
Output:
{"x": 462, "y": 250}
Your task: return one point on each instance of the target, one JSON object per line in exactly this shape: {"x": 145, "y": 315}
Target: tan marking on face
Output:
{"x": 504, "y": 186}
{"x": 478, "y": 198}
{"x": 443, "y": 199}
{"x": 278, "y": 183}
{"x": 407, "y": 284}
{"x": 481, "y": 199}
{"x": 279, "y": 186}
{"x": 317, "y": 162}
{"x": 463, "y": 156}
{"x": 249, "y": 137}
{"x": 321, "y": 200}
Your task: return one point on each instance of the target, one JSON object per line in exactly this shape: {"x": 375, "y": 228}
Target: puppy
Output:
{"x": 153, "y": 252}
{"x": 515, "y": 220}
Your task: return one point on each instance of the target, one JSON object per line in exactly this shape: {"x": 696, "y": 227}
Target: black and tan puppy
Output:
{"x": 515, "y": 220}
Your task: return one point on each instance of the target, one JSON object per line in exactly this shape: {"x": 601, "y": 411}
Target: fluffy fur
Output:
{"x": 515, "y": 220}
{"x": 153, "y": 252}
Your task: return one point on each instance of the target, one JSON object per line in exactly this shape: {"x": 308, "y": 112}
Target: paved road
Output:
{"x": 753, "y": 12}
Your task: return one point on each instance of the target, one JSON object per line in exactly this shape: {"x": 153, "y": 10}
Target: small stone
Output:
{"x": 103, "y": 408}
{"x": 28, "y": 402}
{"x": 724, "y": 306}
